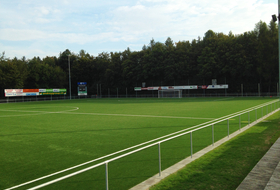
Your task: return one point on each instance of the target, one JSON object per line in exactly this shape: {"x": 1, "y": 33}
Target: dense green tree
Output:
{"x": 249, "y": 58}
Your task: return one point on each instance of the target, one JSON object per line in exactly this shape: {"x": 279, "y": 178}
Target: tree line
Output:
{"x": 250, "y": 58}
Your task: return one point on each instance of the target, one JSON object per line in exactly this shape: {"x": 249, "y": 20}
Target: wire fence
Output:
{"x": 136, "y": 95}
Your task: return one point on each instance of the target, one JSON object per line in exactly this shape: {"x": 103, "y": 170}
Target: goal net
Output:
{"x": 170, "y": 94}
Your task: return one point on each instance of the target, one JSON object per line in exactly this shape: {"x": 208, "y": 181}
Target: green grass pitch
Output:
{"x": 41, "y": 138}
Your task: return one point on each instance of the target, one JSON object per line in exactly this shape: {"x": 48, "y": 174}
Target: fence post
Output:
{"x": 249, "y": 118}
{"x": 159, "y": 159}
{"x": 106, "y": 175}
{"x": 228, "y": 128}
{"x": 266, "y": 109}
{"x": 239, "y": 122}
{"x": 191, "y": 145}
{"x": 213, "y": 135}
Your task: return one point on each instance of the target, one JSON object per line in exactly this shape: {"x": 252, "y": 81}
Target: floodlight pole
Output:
{"x": 279, "y": 45}
{"x": 70, "y": 75}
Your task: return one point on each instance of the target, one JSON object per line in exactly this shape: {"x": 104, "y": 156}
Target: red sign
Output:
{"x": 204, "y": 86}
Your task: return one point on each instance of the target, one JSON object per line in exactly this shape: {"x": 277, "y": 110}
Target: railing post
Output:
{"x": 249, "y": 118}
{"x": 106, "y": 175}
{"x": 228, "y": 128}
{"x": 266, "y": 109}
{"x": 239, "y": 122}
{"x": 159, "y": 159}
{"x": 213, "y": 135}
{"x": 191, "y": 144}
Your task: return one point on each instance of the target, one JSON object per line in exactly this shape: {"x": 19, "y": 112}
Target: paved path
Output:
{"x": 266, "y": 174}
{"x": 145, "y": 185}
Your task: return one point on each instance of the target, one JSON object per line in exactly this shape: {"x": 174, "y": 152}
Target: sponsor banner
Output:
{"x": 137, "y": 88}
{"x": 33, "y": 92}
{"x": 42, "y": 90}
{"x": 187, "y": 87}
{"x": 13, "y": 90}
{"x": 82, "y": 83}
{"x": 13, "y": 94}
{"x": 82, "y": 93}
{"x": 152, "y": 88}
{"x": 21, "y": 94}
{"x": 52, "y": 93}
{"x": 30, "y": 90}
{"x": 224, "y": 86}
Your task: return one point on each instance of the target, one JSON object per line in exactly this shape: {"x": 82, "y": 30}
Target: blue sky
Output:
{"x": 45, "y": 28}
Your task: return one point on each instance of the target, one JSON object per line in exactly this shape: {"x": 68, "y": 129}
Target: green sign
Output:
{"x": 52, "y": 92}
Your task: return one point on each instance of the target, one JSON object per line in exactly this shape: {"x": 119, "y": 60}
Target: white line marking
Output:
{"x": 128, "y": 115}
{"x": 35, "y": 112}
{"x": 103, "y": 114}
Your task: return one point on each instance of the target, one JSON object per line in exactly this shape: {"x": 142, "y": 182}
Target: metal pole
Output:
{"x": 259, "y": 89}
{"x": 106, "y": 175}
{"x": 279, "y": 41}
{"x": 191, "y": 145}
{"x": 69, "y": 76}
{"x": 213, "y": 135}
{"x": 239, "y": 122}
{"x": 228, "y": 128}
{"x": 159, "y": 159}
{"x": 100, "y": 92}
{"x": 248, "y": 118}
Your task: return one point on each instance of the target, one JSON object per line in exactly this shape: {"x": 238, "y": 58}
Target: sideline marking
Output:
{"x": 102, "y": 114}
{"x": 37, "y": 112}
{"x": 128, "y": 115}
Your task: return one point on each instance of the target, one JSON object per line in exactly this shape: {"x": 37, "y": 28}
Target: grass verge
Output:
{"x": 226, "y": 166}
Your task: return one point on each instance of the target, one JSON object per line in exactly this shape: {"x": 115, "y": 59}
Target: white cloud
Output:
{"x": 130, "y": 22}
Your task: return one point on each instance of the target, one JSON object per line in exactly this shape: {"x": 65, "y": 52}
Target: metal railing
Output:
{"x": 269, "y": 107}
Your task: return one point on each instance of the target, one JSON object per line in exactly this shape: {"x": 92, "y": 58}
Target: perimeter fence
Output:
{"x": 137, "y": 95}
{"x": 199, "y": 137}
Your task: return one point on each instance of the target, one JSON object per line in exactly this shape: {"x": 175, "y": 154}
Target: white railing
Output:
{"x": 274, "y": 105}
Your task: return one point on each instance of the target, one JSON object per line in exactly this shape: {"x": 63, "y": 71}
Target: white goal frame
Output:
{"x": 170, "y": 93}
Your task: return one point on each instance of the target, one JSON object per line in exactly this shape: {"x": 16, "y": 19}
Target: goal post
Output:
{"x": 170, "y": 93}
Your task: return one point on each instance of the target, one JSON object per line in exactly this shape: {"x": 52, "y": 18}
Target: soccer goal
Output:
{"x": 170, "y": 94}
